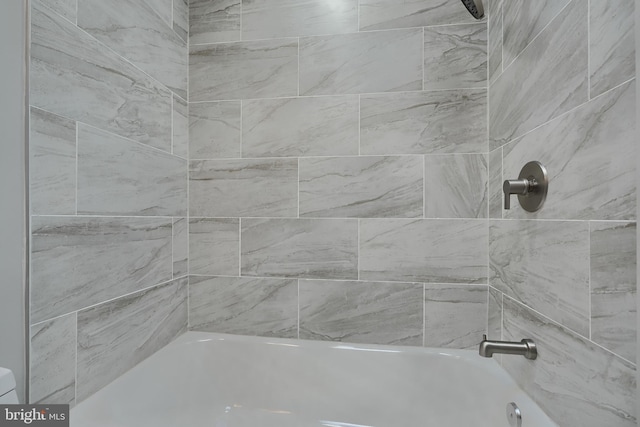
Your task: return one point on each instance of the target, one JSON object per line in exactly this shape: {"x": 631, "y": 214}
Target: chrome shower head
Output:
{"x": 474, "y": 7}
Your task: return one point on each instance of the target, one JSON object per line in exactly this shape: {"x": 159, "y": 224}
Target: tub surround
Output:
{"x": 565, "y": 275}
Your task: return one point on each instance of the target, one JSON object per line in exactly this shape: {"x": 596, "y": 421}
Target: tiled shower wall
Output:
{"x": 108, "y": 160}
{"x": 338, "y": 170}
{"x": 562, "y": 91}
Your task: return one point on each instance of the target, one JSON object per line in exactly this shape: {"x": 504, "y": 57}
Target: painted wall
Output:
{"x": 563, "y": 91}
{"x": 12, "y": 187}
{"x": 338, "y": 170}
{"x": 108, "y": 189}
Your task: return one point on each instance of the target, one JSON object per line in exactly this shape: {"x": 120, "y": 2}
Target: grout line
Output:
{"x": 589, "y": 49}
{"x": 501, "y": 39}
{"x": 589, "y": 253}
{"x": 566, "y": 329}
{"x": 298, "y": 76}
{"x": 222, "y": 159}
{"x": 298, "y": 183}
{"x": 239, "y": 247}
{"x": 533, "y": 39}
{"x": 501, "y": 315}
{"x": 298, "y": 283}
{"x": 77, "y": 177}
{"x": 242, "y": 106}
{"x": 501, "y": 181}
{"x": 359, "y": 124}
{"x": 172, "y": 130}
{"x": 241, "y": 15}
{"x": 75, "y": 396}
{"x": 424, "y": 187}
{"x": 358, "y": 248}
{"x": 422, "y": 64}
{"x": 424, "y": 314}
{"x": 173, "y": 221}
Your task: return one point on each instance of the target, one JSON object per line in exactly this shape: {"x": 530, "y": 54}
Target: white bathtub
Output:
{"x": 204, "y": 379}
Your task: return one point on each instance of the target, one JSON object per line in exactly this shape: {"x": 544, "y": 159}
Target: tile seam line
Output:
{"x": 110, "y": 300}
{"x": 155, "y": 80}
{"x": 516, "y": 138}
{"x": 533, "y": 39}
{"x": 568, "y": 330}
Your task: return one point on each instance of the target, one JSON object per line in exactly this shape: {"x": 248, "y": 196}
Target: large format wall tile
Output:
{"x": 524, "y": 97}
{"x": 115, "y": 336}
{"x": 214, "y": 130}
{"x": 454, "y": 315}
{"x": 365, "y": 187}
{"x": 455, "y": 186}
{"x": 53, "y": 361}
{"x": 75, "y": 76}
{"x": 313, "y": 126}
{"x": 133, "y": 30}
{"x": 258, "y": 69}
{"x": 108, "y": 257}
{"x": 386, "y": 14}
{"x": 523, "y": 21}
{"x": 546, "y": 266}
{"x": 263, "y": 19}
{"x": 424, "y": 122}
{"x": 243, "y": 188}
{"x": 361, "y": 312}
{"x": 117, "y": 176}
{"x": 434, "y": 251}
{"x": 613, "y": 287}
{"x": 245, "y": 306}
{"x": 214, "y": 246}
{"x": 576, "y": 382}
{"x": 214, "y": 21}
{"x": 307, "y": 248}
{"x": 180, "y": 249}
{"x": 52, "y": 164}
{"x": 595, "y": 143}
{"x": 381, "y": 61}
{"x": 180, "y": 140}
{"x": 455, "y": 56}
{"x": 611, "y": 43}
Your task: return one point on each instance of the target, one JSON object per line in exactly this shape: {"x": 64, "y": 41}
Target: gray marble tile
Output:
{"x": 524, "y": 97}
{"x": 73, "y": 75}
{"x": 108, "y": 257}
{"x": 523, "y": 21}
{"x": 257, "y": 69}
{"x": 307, "y": 248}
{"x": 427, "y": 250}
{"x": 595, "y": 137}
{"x": 455, "y": 56}
{"x": 181, "y": 19}
{"x": 65, "y": 8}
{"x": 214, "y": 246}
{"x": 180, "y": 246}
{"x": 53, "y": 361}
{"x": 130, "y": 28}
{"x": 361, "y": 312}
{"x": 214, "y": 130}
{"x": 117, "y": 176}
{"x": 264, "y": 19}
{"x": 115, "y": 336}
{"x": 494, "y": 324}
{"x": 163, "y": 8}
{"x": 52, "y": 161}
{"x": 494, "y": 30}
{"x": 381, "y": 61}
{"x": 235, "y": 188}
{"x": 180, "y": 144}
{"x": 454, "y": 315}
{"x": 214, "y": 21}
{"x": 496, "y": 196}
{"x": 611, "y": 43}
{"x": 244, "y": 306}
{"x": 544, "y": 264}
{"x": 361, "y": 187}
{"x": 456, "y": 186}
{"x": 387, "y": 14}
{"x": 424, "y": 122}
{"x": 576, "y": 382}
{"x": 613, "y": 287}
{"x": 290, "y": 127}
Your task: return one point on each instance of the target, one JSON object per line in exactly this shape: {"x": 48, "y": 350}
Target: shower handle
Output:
{"x": 531, "y": 187}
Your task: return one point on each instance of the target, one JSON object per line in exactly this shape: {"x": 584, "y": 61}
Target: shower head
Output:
{"x": 474, "y": 7}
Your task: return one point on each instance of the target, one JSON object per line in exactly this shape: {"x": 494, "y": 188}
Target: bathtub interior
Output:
{"x": 205, "y": 379}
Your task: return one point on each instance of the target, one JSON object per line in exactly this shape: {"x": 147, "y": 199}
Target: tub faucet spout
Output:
{"x": 526, "y": 348}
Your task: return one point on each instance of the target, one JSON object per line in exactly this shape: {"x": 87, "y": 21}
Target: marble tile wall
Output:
{"x": 338, "y": 170}
{"x": 562, "y": 91}
{"x": 109, "y": 126}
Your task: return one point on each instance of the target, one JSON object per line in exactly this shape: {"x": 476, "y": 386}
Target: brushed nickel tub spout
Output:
{"x": 526, "y": 348}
